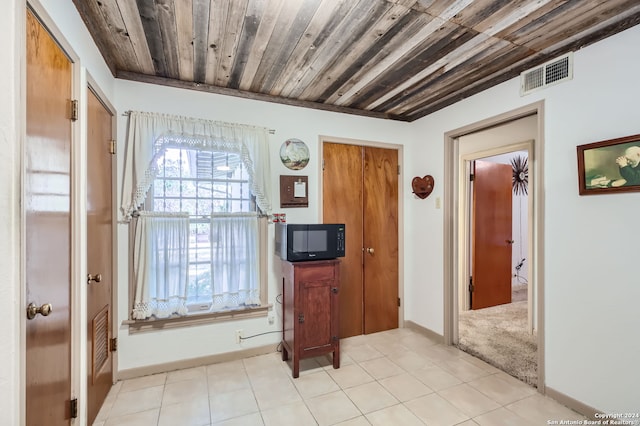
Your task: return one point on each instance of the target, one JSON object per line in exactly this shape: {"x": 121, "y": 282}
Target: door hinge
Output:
{"x": 112, "y": 146}
{"x": 113, "y": 344}
{"x": 398, "y": 302}
{"x": 398, "y": 169}
{"x": 74, "y": 110}
{"x": 301, "y": 318}
{"x": 323, "y": 164}
{"x": 471, "y": 287}
{"x": 472, "y": 177}
{"x": 73, "y": 408}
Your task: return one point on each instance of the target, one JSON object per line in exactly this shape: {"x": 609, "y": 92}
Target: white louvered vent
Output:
{"x": 547, "y": 74}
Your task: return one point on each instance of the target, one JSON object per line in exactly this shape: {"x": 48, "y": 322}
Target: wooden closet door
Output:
{"x": 360, "y": 189}
{"x": 47, "y": 210}
{"x": 99, "y": 254}
{"x": 380, "y": 222}
{"x": 342, "y": 203}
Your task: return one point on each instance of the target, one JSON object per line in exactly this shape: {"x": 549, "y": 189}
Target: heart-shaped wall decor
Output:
{"x": 422, "y": 186}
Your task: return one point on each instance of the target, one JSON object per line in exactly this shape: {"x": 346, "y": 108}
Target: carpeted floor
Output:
{"x": 498, "y": 335}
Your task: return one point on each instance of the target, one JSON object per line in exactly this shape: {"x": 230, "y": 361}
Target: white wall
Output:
{"x": 150, "y": 348}
{"x": 591, "y": 289}
{"x": 10, "y": 158}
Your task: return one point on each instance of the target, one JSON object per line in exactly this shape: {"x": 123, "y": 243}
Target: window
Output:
{"x": 212, "y": 187}
{"x": 196, "y": 192}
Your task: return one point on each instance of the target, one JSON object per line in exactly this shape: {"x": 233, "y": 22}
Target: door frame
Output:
{"x": 455, "y": 217}
{"x": 348, "y": 141}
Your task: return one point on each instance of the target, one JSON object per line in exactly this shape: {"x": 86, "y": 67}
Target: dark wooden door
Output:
{"x": 360, "y": 189}
{"x": 99, "y": 254}
{"x": 491, "y": 234}
{"x": 47, "y": 207}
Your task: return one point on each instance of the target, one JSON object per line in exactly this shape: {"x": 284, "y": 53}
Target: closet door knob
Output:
{"x": 97, "y": 278}
{"x": 33, "y": 310}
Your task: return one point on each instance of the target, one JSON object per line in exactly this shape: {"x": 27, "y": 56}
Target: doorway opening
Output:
{"x": 498, "y": 136}
{"x": 494, "y": 323}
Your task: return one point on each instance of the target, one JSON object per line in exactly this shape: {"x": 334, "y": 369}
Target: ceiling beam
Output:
{"x": 203, "y": 87}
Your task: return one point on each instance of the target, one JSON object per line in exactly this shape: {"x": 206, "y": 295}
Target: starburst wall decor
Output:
{"x": 520, "y": 179}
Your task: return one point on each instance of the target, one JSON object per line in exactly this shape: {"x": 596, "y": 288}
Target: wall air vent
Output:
{"x": 547, "y": 74}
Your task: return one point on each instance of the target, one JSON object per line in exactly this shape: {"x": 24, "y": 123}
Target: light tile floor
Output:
{"x": 397, "y": 377}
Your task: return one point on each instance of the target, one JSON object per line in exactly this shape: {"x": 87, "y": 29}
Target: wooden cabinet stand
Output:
{"x": 310, "y": 310}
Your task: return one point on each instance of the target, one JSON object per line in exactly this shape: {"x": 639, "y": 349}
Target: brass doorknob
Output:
{"x": 33, "y": 310}
{"x": 370, "y": 250}
{"x": 97, "y": 278}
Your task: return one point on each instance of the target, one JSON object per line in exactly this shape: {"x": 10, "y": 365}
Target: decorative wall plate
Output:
{"x": 294, "y": 154}
{"x": 422, "y": 186}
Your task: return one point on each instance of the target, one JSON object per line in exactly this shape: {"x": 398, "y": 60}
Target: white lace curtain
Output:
{"x": 149, "y": 134}
{"x": 161, "y": 248}
{"x": 161, "y": 257}
{"x": 234, "y": 260}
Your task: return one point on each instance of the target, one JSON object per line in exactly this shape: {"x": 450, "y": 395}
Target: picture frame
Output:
{"x": 609, "y": 166}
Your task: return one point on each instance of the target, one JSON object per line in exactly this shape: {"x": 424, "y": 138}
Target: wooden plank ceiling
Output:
{"x": 396, "y": 59}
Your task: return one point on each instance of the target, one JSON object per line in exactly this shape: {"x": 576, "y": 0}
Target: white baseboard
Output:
{"x": 574, "y": 404}
{"x": 193, "y": 362}
{"x": 432, "y": 335}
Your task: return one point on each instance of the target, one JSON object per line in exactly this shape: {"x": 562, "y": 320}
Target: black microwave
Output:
{"x": 296, "y": 242}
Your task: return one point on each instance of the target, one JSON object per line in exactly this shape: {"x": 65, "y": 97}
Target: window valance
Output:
{"x": 149, "y": 134}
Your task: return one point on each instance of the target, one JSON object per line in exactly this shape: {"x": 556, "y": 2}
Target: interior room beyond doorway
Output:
{"x": 518, "y": 130}
{"x": 493, "y": 318}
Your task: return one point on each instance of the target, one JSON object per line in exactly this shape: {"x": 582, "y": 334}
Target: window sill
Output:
{"x": 154, "y": 324}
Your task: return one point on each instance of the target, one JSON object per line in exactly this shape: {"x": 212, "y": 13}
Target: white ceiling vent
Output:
{"x": 547, "y": 74}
